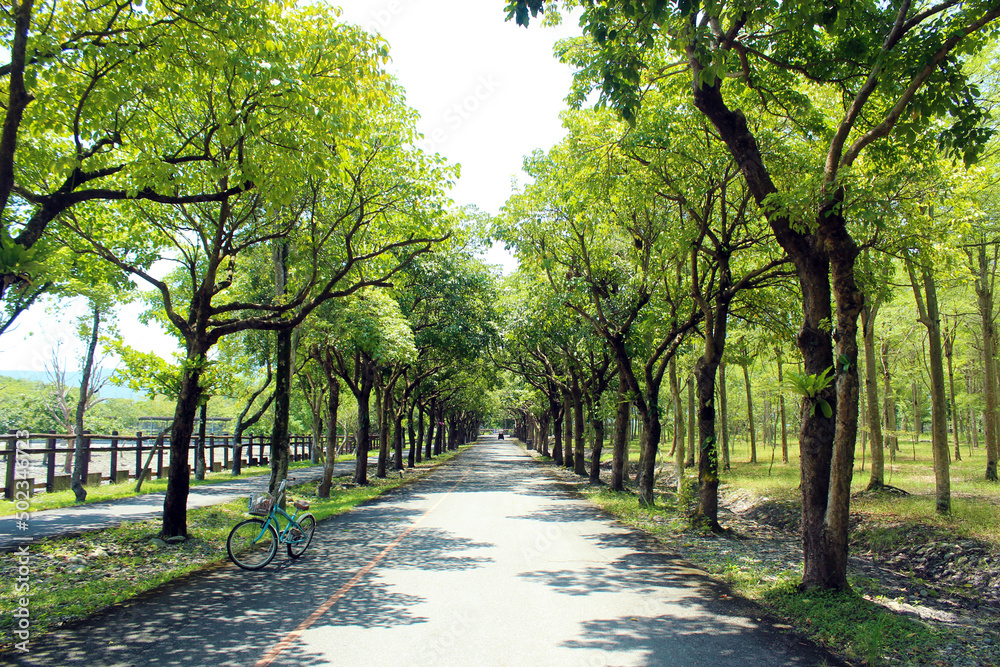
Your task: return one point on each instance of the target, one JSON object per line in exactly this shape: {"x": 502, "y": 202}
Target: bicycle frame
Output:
{"x": 272, "y": 517}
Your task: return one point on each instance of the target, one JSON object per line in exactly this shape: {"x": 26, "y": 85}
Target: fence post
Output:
{"x": 114, "y": 459}
{"x": 211, "y": 453}
{"x": 50, "y": 464}
{"x": 138, "y": 454}
{"x": 8, "y": 490}
{"x": 159, "y": 457}
{"x": 225, "y": 451}
{"x": 86, "y": 459}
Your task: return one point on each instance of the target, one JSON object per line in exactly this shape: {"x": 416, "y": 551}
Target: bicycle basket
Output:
{"x": 260, "y": 504}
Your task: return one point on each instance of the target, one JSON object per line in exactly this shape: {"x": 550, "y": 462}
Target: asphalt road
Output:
{"x": 486, "y": 561}
{"x": 81, "y": 518}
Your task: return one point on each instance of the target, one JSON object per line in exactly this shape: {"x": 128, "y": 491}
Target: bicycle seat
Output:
{"x": 301, "y": 505}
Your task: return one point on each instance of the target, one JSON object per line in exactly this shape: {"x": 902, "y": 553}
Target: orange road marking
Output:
{"x": 290, "y": 638}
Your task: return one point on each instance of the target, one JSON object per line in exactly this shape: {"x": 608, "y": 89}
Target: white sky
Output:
{"x": 488, "y": 93}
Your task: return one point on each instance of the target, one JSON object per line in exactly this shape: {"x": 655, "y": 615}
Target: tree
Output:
{"x": 925, "y": 293}
{"x": 353, "y": 212}
{"x": 893, "y": 95}
{"x": 618, "y": 250}
{"x": 370, "y": 330}
{"x": 80, "y": 85}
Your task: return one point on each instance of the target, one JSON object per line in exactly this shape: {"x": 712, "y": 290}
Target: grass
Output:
{"x": 106, "y": 492}
{"x": 975, "y": 503}
{"x": 849, "y": 623}
{"x": 73, "y": 577}
{"x": 846, "y": 622}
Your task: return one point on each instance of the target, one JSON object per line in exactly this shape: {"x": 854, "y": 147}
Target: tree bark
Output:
{"x": 363, "y": 396}
{"x": 781, "y": 405}
{"x": 199, "y": 458}
{"x": 568, "y": 430}
{"x": 411, "y": 456}
{"x": 282, "y": 377}
{"x": 178, "y": 482}
{"x": 877, "y": 479}
{"x": 692, "y": 420}
{"x": 81, "y": 450}
{"x": 984, "y": 294}
{"x": 750, "y": 422}
{"x": 619, "y": 460}
{"x": 823, "y": 441}
{"x": 557, "y": 412}
{"x": 724, "y": 413}
{"x": 927, "y": 306}
{"x": 431, "y": 428}
{"x": 949, "y": 348}
{"x": 708, "y": 459}
{"x": 679, "y": 452}
{"x": 420, "y": 432}
{"x": 580, "y": 464}
{"x": 597, "y": 423}
{"x": 332, "y": 407}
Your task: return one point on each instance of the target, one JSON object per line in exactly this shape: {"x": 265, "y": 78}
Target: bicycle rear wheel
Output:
{"x": 302, "y": 535}
{"x": 250, "y": 545}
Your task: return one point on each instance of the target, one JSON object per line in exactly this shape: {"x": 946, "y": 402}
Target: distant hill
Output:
{"x": 73, "y": 379}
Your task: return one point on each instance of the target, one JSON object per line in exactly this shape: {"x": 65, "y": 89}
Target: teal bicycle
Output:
{"x": 253, "y": 543}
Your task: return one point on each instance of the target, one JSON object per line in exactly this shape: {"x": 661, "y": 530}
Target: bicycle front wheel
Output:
{"x": 252, "y": 544}
{"x": 301, "y": 536}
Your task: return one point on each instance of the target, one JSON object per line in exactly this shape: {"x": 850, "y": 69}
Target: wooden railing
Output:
{"x": 116, "y": 458}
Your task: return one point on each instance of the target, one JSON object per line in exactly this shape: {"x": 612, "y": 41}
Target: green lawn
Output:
{"x": 75, "y": 576}
{"x": 106, "y": 492}
{"x": 848, "y": 622}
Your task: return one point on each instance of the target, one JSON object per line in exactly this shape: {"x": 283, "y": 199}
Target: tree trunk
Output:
{"x": 751, "y": 426}
{"x": 724, "y": 413}
{"x": 332, "y": 406}
{"x": 567, "y": 430}
{"x": 282, "y": 399}
{"x": 397, "y": 441}
{"x": 382, "y": 400}
{"x": 364, "y": 428}
{"x": 889, "y": 403}
{"x": 597, "y": 423}
{"x": 420, "y": 432}
{"x": 199, "y": 452}
{"x": 877, "y": 478}
{"x": 984, "y": 294}
{"x": 579, "y": 462}
{"x": 781, "y": 405}
{"x": 619, "y": 460}
{"x": 949, "y": 348}
{"x": 282, "y": 377}
{"x": 411, "y": 456}
{"x": 822, "y": 441}
{"x": 439, "y": 440}
{"x": 649, "y": 445}
{"x": 927, "y": 306}
{"x": 692, "y": 420}
{"x": 243, "y": 423}
{"x": 178, "y": 482}
{"x": 679, "y": 451}
{"x": 974, "y": 427}
{"x": 431, "y": 428}
{"x": 557, "y": 412}
{"x": 708, "y": 459}
{"x": 81, "y": 449}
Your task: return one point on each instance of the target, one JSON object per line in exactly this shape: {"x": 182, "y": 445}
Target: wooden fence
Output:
{"x": 112, "y": 454}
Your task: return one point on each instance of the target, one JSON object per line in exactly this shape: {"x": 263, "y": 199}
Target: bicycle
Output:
{"x": 253, "y": 543}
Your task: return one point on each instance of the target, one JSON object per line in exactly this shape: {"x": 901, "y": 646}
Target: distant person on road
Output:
{"x": 500, "y": 435}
